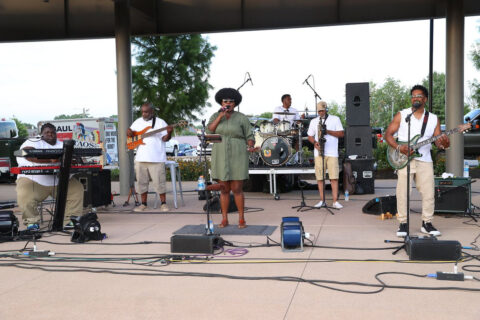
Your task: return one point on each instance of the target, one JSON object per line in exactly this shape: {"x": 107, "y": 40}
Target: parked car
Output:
{"x": 471, "y": 138}
{"x": 9, "y": 143}
{"x": 186, "y": 149}
{"x": 208, "y": 150}
{"x": 172, "y": 147}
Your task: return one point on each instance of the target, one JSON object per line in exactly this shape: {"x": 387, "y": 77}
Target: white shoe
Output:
{"x": 337, "y": 205}
{"x": 319, "y": 204}
{"x": 140, "y": 208}
{"x": 164, "y": 208}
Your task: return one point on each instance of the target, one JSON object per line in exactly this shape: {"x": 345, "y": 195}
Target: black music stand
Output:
{"x": 204, "y": 141}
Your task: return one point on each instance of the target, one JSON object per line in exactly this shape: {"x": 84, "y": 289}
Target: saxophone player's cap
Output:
{"x": 322, "y": 105}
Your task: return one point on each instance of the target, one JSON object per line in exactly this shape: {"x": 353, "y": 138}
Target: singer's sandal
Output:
{"x": 223, "y": 224}
{"x": 242, "y": 224}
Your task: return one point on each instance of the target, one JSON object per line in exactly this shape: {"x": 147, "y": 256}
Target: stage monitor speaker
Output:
{"x": 97, "y": 188}
{"x": 381, "y": 205}
{"x": 363, "y": 172}
{"x": 358, "y": 141}
{"x": 432, "y": 249}
{"x": 358, "y": 104}
{"x": 195, "y": 243}
{"x": 453, "y": 195}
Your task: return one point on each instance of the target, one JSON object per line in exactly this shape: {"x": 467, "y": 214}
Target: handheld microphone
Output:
{"x": 307, "y": 78}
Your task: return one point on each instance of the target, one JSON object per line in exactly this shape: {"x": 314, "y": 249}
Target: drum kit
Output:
{"x": 276, "y": 142}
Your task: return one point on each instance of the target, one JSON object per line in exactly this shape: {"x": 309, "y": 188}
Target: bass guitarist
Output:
{"x": 427, "y": 125}
{"x": 151, "y": 156}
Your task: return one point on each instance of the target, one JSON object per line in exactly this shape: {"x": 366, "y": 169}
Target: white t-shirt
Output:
{"x": 43, "y": 179}
{"x": 416, "y": 128}
{"x": 331, "y": 144}
{"x": 282, "y": 117}
{"x": 153, "y": 149}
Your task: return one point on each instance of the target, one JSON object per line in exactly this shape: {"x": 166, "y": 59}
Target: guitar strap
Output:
{"x": 424, "y": 126}
{"x": 155, "y": 118}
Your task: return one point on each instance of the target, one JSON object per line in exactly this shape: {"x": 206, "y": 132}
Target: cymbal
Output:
{"x": 285, "y": 113}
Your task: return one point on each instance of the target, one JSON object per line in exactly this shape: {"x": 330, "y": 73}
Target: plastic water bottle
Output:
{"x": 346, "y": 195}
{"x": 465, "y": 169}
{"x": 209, "y": 226}
{"x": 201, "y": 183}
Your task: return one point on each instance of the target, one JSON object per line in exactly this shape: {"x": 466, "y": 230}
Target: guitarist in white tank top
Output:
{"x": 424, "y": 181}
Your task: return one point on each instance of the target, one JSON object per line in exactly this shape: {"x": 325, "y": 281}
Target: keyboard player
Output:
{"x": 33, "y": 189}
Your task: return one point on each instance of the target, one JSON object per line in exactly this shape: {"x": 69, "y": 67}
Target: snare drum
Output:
{"x": 266, "y": 126}
{"x": 275, "y": 151}
{"x": 283, "y": 128}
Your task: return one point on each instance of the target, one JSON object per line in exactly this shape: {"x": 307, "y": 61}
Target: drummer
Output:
{"x": 286, "y": 107}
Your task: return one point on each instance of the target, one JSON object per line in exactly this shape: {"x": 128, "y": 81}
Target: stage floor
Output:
{"x": 239, "y": 287}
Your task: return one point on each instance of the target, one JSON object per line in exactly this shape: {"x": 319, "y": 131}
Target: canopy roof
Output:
{"x": 25, "y": 20}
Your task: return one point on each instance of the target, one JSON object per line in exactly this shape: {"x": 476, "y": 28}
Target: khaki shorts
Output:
{"x": 151, "y": 170}
{"x": 331, "y": 163}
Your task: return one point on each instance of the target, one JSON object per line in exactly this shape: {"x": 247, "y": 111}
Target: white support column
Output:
{"x": 454, "y": 83}
{"x": 124, "y": 91}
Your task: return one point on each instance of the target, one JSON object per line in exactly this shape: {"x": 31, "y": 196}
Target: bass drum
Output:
{"x": 275, "y": 151}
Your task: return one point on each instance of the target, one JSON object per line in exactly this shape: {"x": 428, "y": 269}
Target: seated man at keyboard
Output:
{"x": 33, "y": 189}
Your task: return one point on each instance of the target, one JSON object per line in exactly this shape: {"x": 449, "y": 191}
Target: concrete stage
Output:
{"x": 94, "y": 289}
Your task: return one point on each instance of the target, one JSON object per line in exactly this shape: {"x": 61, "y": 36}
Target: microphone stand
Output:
{"x": 244, "y": 82}
{"x": 407, "y": 237}
{"x": 203, "y": 148}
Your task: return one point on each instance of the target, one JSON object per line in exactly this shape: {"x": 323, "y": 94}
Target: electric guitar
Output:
{"x": 138, "y": 136}
{"x": 399, "y": 160}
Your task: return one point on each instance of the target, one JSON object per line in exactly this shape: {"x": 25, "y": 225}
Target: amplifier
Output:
{"x": 432, "y": 249}
{"x": 453, "y": 195}
{"x": 364, "y": 174}
{"x": 97, "y": 188}
{"x": 8, "y": 225}
{"x": 195, "y": 243}
{"x": 381, "y": 205}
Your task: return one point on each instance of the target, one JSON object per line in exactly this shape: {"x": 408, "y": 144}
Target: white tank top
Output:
{"x": 416, "y": 129}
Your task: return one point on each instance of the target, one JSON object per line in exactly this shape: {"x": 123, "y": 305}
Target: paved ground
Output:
{"x": 124, "y": 277}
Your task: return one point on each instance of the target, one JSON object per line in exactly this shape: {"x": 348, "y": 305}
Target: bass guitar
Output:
{"x": 138, "y": 136}
{"x": 399, "y": 160}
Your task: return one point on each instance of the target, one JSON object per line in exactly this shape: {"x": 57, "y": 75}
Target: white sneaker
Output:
{"x": 337, "y": 205}
{"x": 164, "y": 208}
{"x": 319, "y": 204}
{"x": 140, "y": 208}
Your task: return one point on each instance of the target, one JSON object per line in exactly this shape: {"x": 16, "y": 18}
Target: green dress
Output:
{"x": 230, "y": 157}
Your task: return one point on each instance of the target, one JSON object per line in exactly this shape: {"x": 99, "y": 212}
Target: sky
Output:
{"x": 39, "y": 80}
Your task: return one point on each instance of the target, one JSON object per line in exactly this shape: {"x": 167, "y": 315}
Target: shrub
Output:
{"x": 190, "y": 170}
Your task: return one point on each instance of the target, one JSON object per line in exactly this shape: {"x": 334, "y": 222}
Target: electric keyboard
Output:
{"x": 57, "y": 153}
{"x": 55, "y": 169}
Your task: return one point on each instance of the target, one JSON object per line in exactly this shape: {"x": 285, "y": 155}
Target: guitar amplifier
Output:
{"x": 97, "y": 188}
{"x": 453, "y": 195}
{"x": 363, "y": 171}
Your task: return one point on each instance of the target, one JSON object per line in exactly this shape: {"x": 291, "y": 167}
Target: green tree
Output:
{"x": 438, "y": 94}
{"x": 172, "y": 72}
{"x": 475, "y": 85}
{"x": 267, "y": 115}
{"x": 337, "y": 110}
{"x": 386, "y": 100}
{"x": 22, "y": 128}
{"x": 72, "y": 116}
